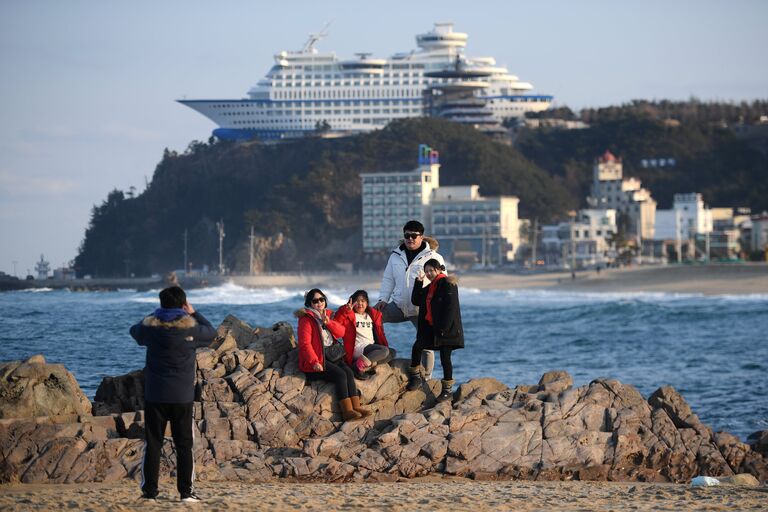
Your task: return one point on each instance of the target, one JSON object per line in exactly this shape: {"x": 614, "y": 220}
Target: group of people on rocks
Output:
{"x": 414, "y": 288}
{"x": 337, "y": 347}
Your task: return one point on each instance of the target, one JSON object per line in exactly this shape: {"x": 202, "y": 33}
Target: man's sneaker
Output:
{"x": 191, "y": 498}
{"x": 147, "y": 496}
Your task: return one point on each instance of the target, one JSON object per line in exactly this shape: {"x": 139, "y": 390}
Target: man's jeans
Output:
{"x": 392, "y": 314}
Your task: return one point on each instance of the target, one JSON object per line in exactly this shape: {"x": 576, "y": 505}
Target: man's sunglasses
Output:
{"x": 318, "y": 300}
{"x": 411, "y": 236}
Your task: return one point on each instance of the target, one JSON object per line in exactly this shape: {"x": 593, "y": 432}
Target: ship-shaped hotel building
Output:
{"x": 306, "y": 90}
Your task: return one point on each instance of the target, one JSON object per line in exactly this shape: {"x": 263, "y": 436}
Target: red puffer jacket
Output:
{"x": 311, "y": 341}
{"x": 346, "y": 317}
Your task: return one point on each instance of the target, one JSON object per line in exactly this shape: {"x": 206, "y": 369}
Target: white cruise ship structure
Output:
{"x": 308, "y": 91}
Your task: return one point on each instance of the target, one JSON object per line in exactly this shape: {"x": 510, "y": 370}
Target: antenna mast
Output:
{"x": 315, "y": 37}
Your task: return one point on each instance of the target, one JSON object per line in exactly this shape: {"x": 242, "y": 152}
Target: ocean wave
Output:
{"x": 228, "y": 293}
{"x": 557, "y": 297}
{"x": 35, "y": 290}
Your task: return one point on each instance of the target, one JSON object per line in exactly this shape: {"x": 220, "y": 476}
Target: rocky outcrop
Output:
{"x": 258, "y": 419}
{"x": 34, "y": 388}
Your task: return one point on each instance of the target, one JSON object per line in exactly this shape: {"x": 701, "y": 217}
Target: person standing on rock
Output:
{"x": 317, "y": 333}
{"x": 440, "y": 325}
{"x": 171, "y": 335}
{"x": 364, "y": 341}
{"x": 405, "y": 263}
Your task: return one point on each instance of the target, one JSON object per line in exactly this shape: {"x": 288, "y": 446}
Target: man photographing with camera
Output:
{"x": 171, "y": 335}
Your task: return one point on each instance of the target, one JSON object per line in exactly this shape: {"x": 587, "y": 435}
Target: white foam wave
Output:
{"x": 35, "y": 290}
{"x": 228, "y": 294}
{"x": 238, "y": 295}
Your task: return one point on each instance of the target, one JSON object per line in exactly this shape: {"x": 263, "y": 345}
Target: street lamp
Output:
{"x": 220, "y": 228}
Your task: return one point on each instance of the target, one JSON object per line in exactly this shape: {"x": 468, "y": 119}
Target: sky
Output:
{"x": 87, "y": 87}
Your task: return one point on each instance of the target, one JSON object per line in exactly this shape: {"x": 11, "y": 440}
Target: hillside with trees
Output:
{"x": 307, "y": 190}
{"x": 305, "y": 194}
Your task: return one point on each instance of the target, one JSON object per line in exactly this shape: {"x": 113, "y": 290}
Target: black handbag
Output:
{"x": 335, "y": 352}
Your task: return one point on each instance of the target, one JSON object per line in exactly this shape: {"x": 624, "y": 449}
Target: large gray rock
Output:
{"x": 34, "y": 388}
{"x": 256, "y": 422}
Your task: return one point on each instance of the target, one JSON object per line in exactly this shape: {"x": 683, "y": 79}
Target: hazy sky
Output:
{"x": 87, "y": 88}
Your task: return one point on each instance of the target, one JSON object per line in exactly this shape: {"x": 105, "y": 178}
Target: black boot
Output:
{"x": 414, "y": 378}
{"x": 446, "y": 393}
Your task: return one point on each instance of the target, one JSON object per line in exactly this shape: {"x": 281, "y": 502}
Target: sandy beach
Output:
{"x": 715, "y": 279}
{"x": 426, "y": 494}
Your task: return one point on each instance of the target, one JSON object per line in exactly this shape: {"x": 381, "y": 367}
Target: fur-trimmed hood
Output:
{"x": 182, "y": 322}
{"x": 452, "y": 279}
{"x": 433, "y": 243}
{"x": 301, "y": 313}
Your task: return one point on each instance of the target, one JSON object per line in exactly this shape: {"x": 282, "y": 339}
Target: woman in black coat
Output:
{"x": 439, "y": 325}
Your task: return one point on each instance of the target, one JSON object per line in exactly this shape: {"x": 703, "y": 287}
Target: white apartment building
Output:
{"x": 475, "y": 229}
{"x": 610, "y": 190}
{"x": 390, "y": 199}
{"x": 687, "y": 218}
{"x": 759, "y": 235}
{"x": 587, "y": 241}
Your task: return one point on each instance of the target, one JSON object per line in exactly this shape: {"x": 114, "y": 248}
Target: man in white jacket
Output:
{"x": 405, "y": 264}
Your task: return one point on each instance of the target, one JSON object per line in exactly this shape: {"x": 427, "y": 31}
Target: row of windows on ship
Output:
{"x": 252, "y": 108}
{"x": 310, "y": 122}
{"x": 333, "y": 67}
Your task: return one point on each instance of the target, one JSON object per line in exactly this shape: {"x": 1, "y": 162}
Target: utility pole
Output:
{"x": 572, "y": 214}
{"x": 533, "y": 245}
{"x": 14, "y": 268}
{"x": 706, "y": 245}
{"x": 220, "y": 228}
{"x": 186, "y": 264}
{"x": 639, "y": 239}
{"x": 678, "y": 236}
{"x": 250, "y": 252}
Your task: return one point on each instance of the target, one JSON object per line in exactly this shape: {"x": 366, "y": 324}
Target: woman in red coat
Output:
{"x": 316, "y": 332}
{"x": 364, "y": 340}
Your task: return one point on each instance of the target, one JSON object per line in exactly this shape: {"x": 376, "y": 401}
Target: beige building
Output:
{"x": 610, "y": 190}
{"x": 475, "y": 229}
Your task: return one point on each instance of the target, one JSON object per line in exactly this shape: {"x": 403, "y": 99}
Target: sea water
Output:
{"x": 712, "y": 349}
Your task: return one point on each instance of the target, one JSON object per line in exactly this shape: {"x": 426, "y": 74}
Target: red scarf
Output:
{"x": 430, "y": 294}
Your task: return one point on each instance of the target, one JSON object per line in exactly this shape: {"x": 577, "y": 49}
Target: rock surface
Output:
{"x": 34, "y": 388}
{"x": 258, "y": 419}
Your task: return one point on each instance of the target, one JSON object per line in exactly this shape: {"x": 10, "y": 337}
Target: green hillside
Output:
{"x": 309, "y": 190}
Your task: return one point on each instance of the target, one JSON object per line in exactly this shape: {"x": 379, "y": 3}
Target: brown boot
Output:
{"x": 347, "y": 412}
{"x": 363, "y": 412}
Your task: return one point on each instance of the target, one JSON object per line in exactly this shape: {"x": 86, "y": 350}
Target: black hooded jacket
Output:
{"x": 447, "y": 330}
{"x": 169, "y": 375}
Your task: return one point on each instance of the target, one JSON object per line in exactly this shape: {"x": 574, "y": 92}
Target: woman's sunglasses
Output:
{"x": 318, "y": 300}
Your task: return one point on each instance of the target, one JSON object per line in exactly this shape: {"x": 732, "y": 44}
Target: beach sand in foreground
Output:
{"x": 432, "y": 494}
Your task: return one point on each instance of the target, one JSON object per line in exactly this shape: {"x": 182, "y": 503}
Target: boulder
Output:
{"x": 259, "y": 419}
{"x": 34, "y": 388}
{"x": 120, "y": 394}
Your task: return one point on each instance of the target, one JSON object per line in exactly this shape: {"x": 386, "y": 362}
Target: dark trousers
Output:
{"x": 156, "y": 416}
{"x": 339, "y": 374}
{"x": 445, "y": 359}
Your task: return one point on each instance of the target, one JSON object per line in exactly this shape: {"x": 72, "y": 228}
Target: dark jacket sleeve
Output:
{"x": 203, "y": 333}
{"x": 137, "y": 332}
{"x": 450, "y": 307}
{"x": 419, "y": 293}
